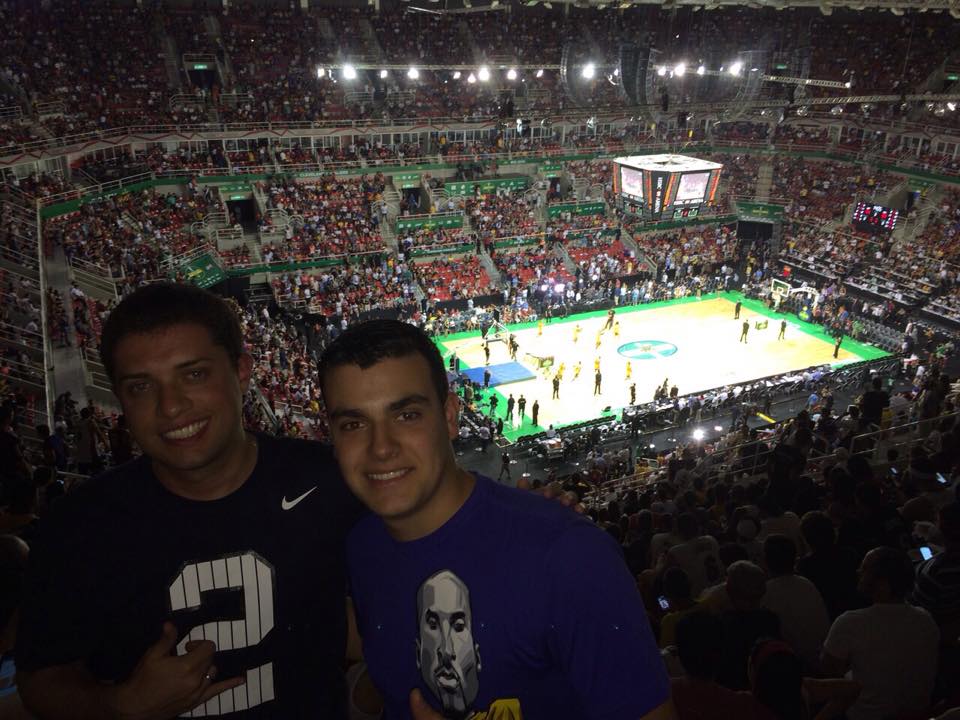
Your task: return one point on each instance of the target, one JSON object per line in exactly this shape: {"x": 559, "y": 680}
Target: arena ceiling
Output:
{"x": 897, "y": 7}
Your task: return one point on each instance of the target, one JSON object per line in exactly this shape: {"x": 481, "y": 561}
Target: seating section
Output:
{"x": 455, "y": 277}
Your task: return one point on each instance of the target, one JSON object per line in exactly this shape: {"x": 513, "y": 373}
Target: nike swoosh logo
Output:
{"x": 290, "y": 504}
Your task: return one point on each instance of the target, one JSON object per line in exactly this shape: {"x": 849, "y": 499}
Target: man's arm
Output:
{"x": 162, "y": 686}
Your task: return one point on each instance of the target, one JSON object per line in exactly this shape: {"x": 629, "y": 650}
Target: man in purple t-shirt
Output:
{"x": 472, "y": 598}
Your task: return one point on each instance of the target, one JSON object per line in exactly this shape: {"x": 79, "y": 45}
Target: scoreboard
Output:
{"x": 665, "y": 186}
{"x": 875, "y": 218}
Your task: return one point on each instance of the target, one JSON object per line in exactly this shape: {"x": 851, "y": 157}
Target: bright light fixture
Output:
{"x": 483, "y": 74}
{"x": 471, "y": 78}
{"x": 616, "y": 72}
{"x": 321, "y": 72}
{"x": 736, "y": 68}
{"x": 662, "y": 70}
{"x": 540, "y": 72}
{"x": 701, "y": 70}
{"x": 349, "y": 72}
{"x": 680, "y": 69}
{"x": 456, "y": 74}
{"x": 383, "y": 74}
{"x": 511, "y": 74}
{"x": 413, "y": 73}
{"x": 589, "y": 70}
{"x": 951, "y": 106}
{"x": 698, "y": 434}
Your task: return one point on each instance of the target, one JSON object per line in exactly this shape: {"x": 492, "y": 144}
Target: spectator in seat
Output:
{"x": 698, "y": 696}
{"x": 937, "y": 587}
{"x": 774, "y": 521}
{"x": 13, "y": 568}
{"x": 697, "y": 555}
{"x": 832, "y": 569}
{"x": 676, "y": 589}
{"x": 745, "y": 623}
{"x": 872, "y": 404}
{"x": 890, "y": 647}
{"x": 795, "y": 601}
{"x": 778, "y": 683}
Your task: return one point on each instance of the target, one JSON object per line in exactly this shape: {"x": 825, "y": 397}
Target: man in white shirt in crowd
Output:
{"x": 804, "y": 620}
{"x": 890, "y": 648}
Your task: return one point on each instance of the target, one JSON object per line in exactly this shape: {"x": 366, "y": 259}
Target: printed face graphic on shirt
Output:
{"x": 448, "y": 657}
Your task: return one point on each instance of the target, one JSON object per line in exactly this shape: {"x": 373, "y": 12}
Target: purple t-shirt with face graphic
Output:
{"x": 515, "y": 604}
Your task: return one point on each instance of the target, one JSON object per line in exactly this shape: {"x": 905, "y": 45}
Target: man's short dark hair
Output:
{"x": 368, "y": 343}
{"x": 894, "y": 566}
{"x": 818, "y": 531}
{"x": 780, "y": 554}
{"x": 159, "y": 305}
{"x": 700, "y": 644}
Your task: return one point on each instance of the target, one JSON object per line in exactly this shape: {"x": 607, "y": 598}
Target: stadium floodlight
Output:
{"x": 718, "y": 428}
{"x": 413, "y": 73}
{"x": 483, "y": 74}
{"x": 951, "y": 106}
{"x": 698, "y": 434}
{"x": 383, "y": 74}
{"x": 511, "y": 74}
{"x": 456, "y": 74}
{"x": 680, "y": 69}
{"x": 471, "y": 78}
{"x": 736, "y": 68}
{"x": 349, "y": 72}
{"x": 701, "y": 70}
{"x": 320, "y": 72}
{"x": 847, "y": 84}
{"x": 662, "y": 70}
{"x": 589, "y": 70}
{"x": 540, "y": 72}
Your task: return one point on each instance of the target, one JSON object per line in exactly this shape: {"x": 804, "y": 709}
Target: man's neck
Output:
{"x": 215, "y": 480}
{"x": 453, "y": 492}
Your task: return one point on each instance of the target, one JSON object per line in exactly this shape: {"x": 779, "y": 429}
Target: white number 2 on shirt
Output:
{"x": 255, "y": 576}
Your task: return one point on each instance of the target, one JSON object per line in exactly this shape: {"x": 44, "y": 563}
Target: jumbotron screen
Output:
{"x": 692, "y": 189}
{"x": 875, "y": 218}
{"x": 631, "y": 183}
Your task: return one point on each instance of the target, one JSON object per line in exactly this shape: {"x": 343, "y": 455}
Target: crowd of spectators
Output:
{"x": 454, "y": 277}
{"x": 337, "y": 214}
{"x": 503, "y": 214}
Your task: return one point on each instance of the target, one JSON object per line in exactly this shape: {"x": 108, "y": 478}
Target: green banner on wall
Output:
{"x": 759, "y": 211}
{"x": 406, "y": 180}
{"x": 415, "y": 222}
{"x": 202, "y": 271}
{"x": 577, "y": 209}
{"x": 486, "y": 186}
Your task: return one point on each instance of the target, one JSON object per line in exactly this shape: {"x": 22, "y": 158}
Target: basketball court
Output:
{"x": 692, "y": 342}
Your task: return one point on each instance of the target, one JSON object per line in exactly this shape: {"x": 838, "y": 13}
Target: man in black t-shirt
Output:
{"x": 206, "y": 578}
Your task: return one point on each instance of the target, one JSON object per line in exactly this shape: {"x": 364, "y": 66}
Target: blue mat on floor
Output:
{"x": 500, "y": 374}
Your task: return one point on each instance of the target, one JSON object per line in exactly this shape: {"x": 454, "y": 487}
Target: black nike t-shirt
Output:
{"x": 260, "y": 572}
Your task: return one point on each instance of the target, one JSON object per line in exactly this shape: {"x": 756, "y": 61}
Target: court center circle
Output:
{"x": 647, "y": 349}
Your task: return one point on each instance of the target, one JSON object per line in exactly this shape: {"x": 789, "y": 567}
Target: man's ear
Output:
{"x": 451, "y": 412}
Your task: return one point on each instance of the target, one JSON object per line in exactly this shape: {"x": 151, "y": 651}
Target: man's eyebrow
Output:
{"x": 405, "y": 401}
{"x": 179, "y": 366}
{"x": 412, "y": 399}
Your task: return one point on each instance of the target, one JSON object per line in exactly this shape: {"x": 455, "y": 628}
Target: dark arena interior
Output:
{"x": 691, "y": 267}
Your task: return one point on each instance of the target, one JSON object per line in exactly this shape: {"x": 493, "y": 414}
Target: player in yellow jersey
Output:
{"x": 599, "y": 337}
{"x": 539, "y": 328}
{"x": 616, "y": 329}
{"x": 560, "y": 370}
{"x": 576, "y": 369}
{"x": 629, "y": 370}
{"x": 576, "y": 332}
{"x": 596, "y": 363}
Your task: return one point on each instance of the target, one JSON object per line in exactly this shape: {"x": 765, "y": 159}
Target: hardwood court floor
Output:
{"x": 692, "y": 342}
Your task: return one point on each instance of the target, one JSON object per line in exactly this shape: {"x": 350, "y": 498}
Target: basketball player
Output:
{"x": 783, "y": 330}
{"x": 633, "y": 393}
{"x": 576, "y": 332}
{"x": 486, "y": 351}
{"x": 736, "y": 310}
{"x": 629, "y": 370}
{"x": 597, "y": 378}
{"x": 616, "y": 329}
{"x": 576, "y": 369}
{"x": 609, "y": 323}
{"x": 560, "y": 370}
{"x": 539, "y": 328}
{"x": 596, "y": 364}
{"x": 599, "y": 338}
{"x": 556, "y": 387}
{"x": 743, "y": 332}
